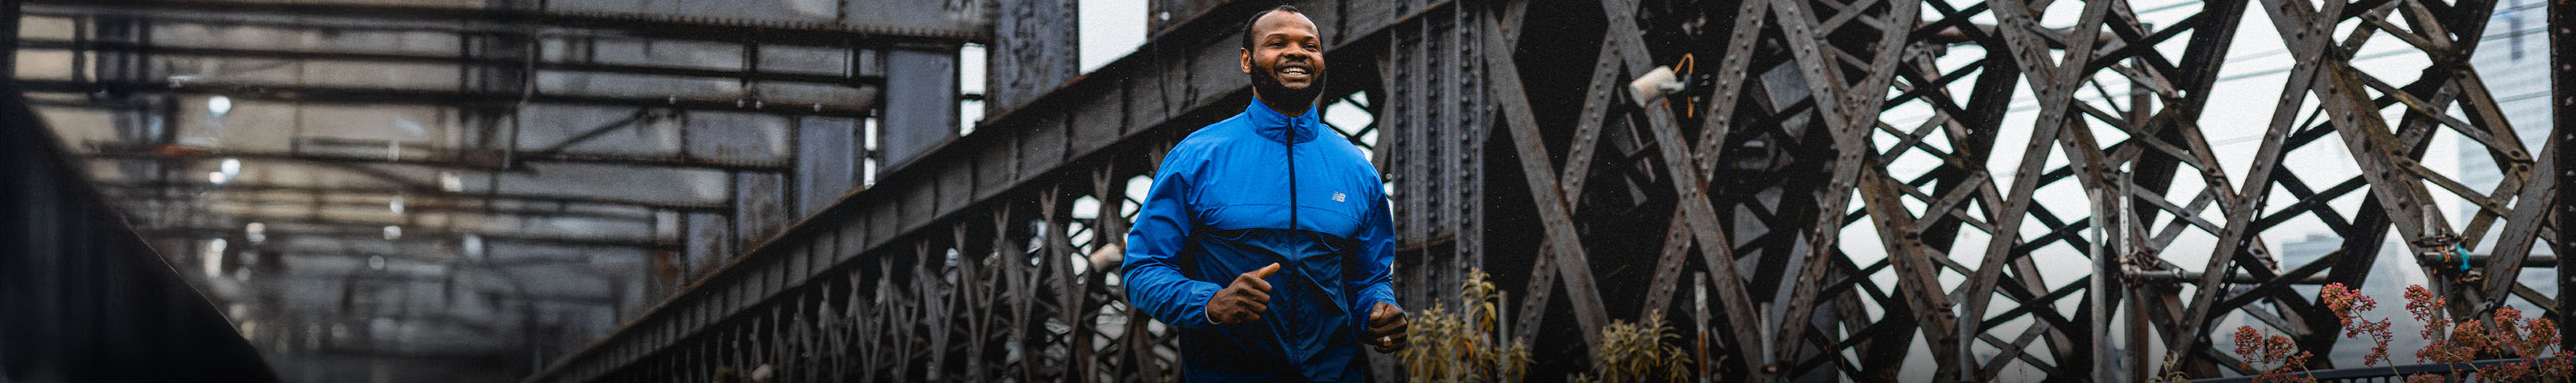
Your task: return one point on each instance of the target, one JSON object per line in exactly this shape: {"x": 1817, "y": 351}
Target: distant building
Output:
{"x": 2513, "y": 59}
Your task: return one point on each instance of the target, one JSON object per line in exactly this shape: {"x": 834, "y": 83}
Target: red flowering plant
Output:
{"x": 2348, "y": 305}
{"x": 2275, "y": 358}
{"x": 2504, "y": 334}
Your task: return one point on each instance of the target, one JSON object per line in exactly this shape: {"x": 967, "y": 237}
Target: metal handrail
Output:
{"x": 2390, "y": 373}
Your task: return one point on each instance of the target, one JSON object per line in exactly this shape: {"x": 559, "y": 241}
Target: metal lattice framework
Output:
{"x": 1789, "y": 193}
{"x": 2127, "y": 157}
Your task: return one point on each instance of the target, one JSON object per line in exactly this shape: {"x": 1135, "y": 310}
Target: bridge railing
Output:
{"x": 2393, "y": 373}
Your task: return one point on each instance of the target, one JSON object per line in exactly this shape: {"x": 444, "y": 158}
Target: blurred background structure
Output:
{"x": 874, "y": 190}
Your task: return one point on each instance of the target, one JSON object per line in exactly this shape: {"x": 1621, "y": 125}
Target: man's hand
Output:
{"x": 1244, "y": 300}
{"x": 1386, "y": 328}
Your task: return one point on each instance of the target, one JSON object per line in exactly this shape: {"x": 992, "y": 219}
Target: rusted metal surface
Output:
{"x": 2562, "y": 78}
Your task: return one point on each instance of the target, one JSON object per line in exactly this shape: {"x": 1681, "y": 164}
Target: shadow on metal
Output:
{"x": 82, "y": 298}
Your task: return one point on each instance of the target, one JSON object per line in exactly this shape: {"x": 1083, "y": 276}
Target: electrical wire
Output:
{"x": 1690, "y": 108}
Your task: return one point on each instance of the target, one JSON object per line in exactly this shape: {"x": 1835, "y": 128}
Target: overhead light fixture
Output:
{"x": 217, "y": 178}
{"x": 396, "y": 206}
{"x": 473, "y": 247}
{"x": 231, "y": 167}
{"x": 450, "y": 182}
{"x": 257, "y": 232}
{"x": 393, "y": 232}
{"x": 214, "y": 257}
{"x": 219, "y": 105}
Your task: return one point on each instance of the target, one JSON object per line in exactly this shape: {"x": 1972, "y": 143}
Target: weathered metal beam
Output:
{"x": 418, "y": 193}
{"x": 2235, "y": 236}
{"x": 2521, "y": 229}
{"x": 453, "y": 97}
{"x": 1597, "y": 103}
{"x": 472, "y": 159}
{"x": 1554, "y": 214}
{"x": 1718, "y": 251}
{"x": 496, "y": 19}
{"x": 2055, "y": 82}
{"x": 462, "y": 206}
{"x": 466, "y": 60}
{"x": 2562, "y": 79}
{"x": 1850, "y": 108}
{"x": 360, "y": 231}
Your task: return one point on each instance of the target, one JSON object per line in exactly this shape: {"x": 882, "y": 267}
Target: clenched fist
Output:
{"x": 1243, "y": 300}
{"x": 1386, "y": 328}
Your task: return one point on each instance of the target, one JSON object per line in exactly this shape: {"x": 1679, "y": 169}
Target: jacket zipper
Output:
{"x": 1291, "y": 144}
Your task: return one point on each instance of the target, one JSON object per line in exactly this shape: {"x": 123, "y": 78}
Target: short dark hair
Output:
{"x": 1256, "y": 18}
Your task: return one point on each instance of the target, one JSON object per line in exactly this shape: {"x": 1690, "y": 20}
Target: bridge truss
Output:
{"x": 1835, "y": 203}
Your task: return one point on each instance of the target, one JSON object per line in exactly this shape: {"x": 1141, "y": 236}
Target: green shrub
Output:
{"x": 1632, "y": 352}
{"x": 1464, "y": 346}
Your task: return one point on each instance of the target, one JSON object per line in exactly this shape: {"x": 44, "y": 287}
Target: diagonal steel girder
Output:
{"x": 2126, "y": 176}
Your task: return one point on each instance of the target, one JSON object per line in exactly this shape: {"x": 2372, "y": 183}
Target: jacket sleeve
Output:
{"x": 1153, "y": 282}
{"x": 1377, "y": 261}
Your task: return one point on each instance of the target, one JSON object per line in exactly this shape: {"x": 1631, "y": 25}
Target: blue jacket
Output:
{"x": 1221, "y": 206}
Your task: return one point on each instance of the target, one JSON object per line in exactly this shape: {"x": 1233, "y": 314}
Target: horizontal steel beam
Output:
{"x": 197, "y": 187}
{"x": 477, "y": 159}
{"x": 356, "y": 231}
{"x": 427, "y": 205}
{"x": 2183, "y": 276}
{"x": 513, "y": 261}
{"x": 488, "y": 20}
{"x": 279, "y": 54}
{"x": 368, "y": 95}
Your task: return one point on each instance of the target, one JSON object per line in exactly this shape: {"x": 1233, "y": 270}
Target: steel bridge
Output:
{"x": 1772, "y": 217}
{"x": 1829, "y": 200}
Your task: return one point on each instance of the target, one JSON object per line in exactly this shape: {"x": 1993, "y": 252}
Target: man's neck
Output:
{"x": 1284, "y": 109}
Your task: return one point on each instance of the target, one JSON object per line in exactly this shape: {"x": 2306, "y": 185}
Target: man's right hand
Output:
{"x": 1243, "y": 300}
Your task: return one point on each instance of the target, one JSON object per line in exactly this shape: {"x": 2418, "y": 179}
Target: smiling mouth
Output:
{"x": 1294, "y": 71}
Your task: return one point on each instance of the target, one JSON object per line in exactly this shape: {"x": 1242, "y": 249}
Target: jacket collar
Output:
{"x": 1282, "y": 128}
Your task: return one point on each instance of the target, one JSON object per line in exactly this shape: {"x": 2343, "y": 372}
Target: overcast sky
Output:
{"x": 1110, "y": 29}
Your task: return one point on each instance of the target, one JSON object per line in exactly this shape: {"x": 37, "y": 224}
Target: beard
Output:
{"x": 1266, "y": 84}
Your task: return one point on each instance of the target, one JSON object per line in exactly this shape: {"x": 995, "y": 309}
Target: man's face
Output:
{"x": 1286, "y": 60}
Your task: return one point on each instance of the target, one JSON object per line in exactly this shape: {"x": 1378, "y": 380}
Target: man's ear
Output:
{"x": 1245, "y": 60}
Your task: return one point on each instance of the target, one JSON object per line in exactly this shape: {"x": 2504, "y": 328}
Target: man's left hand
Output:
{"x": 1386, "y": 328}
